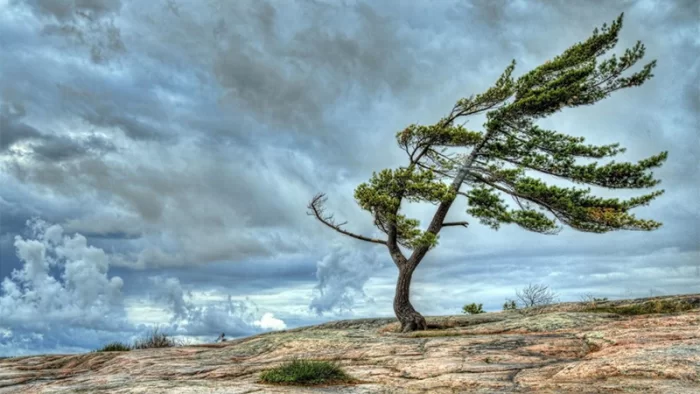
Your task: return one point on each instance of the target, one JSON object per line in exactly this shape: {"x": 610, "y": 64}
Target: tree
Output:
{"x": 498, "y": 159}
{"x": 473, "y": 309}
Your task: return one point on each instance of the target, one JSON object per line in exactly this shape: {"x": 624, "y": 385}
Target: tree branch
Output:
{"x": 557, "y": 214}
{"x": 463, "y": 224}
{"x": 317, "y": 210}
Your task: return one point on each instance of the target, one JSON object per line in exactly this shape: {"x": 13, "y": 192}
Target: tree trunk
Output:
{"x": 409, "y": 318}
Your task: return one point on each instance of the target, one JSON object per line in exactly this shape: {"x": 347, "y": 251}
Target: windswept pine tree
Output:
{"x": 499, "y": 160}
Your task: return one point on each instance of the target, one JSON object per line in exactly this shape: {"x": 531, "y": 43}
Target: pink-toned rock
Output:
{"x": 560, "y": 350}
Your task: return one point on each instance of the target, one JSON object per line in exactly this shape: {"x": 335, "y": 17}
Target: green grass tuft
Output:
{"x": 306, "y": 372}
{"x": 153, "y": 340}
{"x": 649, "y": 307}
{"x": 115, "y": 347}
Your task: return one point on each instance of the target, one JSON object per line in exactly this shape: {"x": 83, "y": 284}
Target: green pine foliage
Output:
{"x": 500, "y": 159}
{"x": 473, "y": 309}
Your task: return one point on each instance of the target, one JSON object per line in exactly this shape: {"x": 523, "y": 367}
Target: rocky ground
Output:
{"x": 560, "y": 350}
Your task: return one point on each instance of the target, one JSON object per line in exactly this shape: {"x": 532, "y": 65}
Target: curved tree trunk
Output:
{"x": 409, "y": 318}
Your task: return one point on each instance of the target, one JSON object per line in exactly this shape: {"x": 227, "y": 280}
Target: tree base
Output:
{"x": 413, "y": 322}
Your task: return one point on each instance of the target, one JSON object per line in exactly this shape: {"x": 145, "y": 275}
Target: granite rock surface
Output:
{"x": 561, "y": 349}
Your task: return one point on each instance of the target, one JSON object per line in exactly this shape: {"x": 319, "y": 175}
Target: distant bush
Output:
{"x": 473, "y": 309}
{"x": 114, "y": 347}
{"x": 510, "y": 305}
{"x": 592, "y": 301}
{"x": 305, "y": 372}
{"x": 155, "y": 339}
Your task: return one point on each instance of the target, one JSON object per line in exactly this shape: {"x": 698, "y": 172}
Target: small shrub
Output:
{"x": 536, "y": 296}
{"x": 114, "y": 347}
{"x": 155, "y": 340}
{"x": 510, "y": 305}
{"x": 473, "y": 309}
{"x": 305, "y": 372}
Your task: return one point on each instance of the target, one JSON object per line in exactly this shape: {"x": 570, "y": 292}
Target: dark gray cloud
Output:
{"x": 84, "y": 23}
{"x": 68, "y": 10}
{"x": 44, "y": 146}
{"x": 13, "y": 130}
{"x": 185, "y": 138}
{"x": 291, "y": 77}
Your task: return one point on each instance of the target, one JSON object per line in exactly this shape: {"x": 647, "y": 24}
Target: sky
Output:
{"x": 157, "y": 158}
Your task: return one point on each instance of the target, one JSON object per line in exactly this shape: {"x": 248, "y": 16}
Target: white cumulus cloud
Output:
{"x": 341, "y": 275}
{"x": 270, "y": 322}
{"x": 188, "y": 317}
{"x": 64, "y": 300}
{"x": 32, "y": 298}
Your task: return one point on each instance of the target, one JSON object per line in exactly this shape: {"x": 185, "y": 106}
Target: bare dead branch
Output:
{"x": 317, "y": 209}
